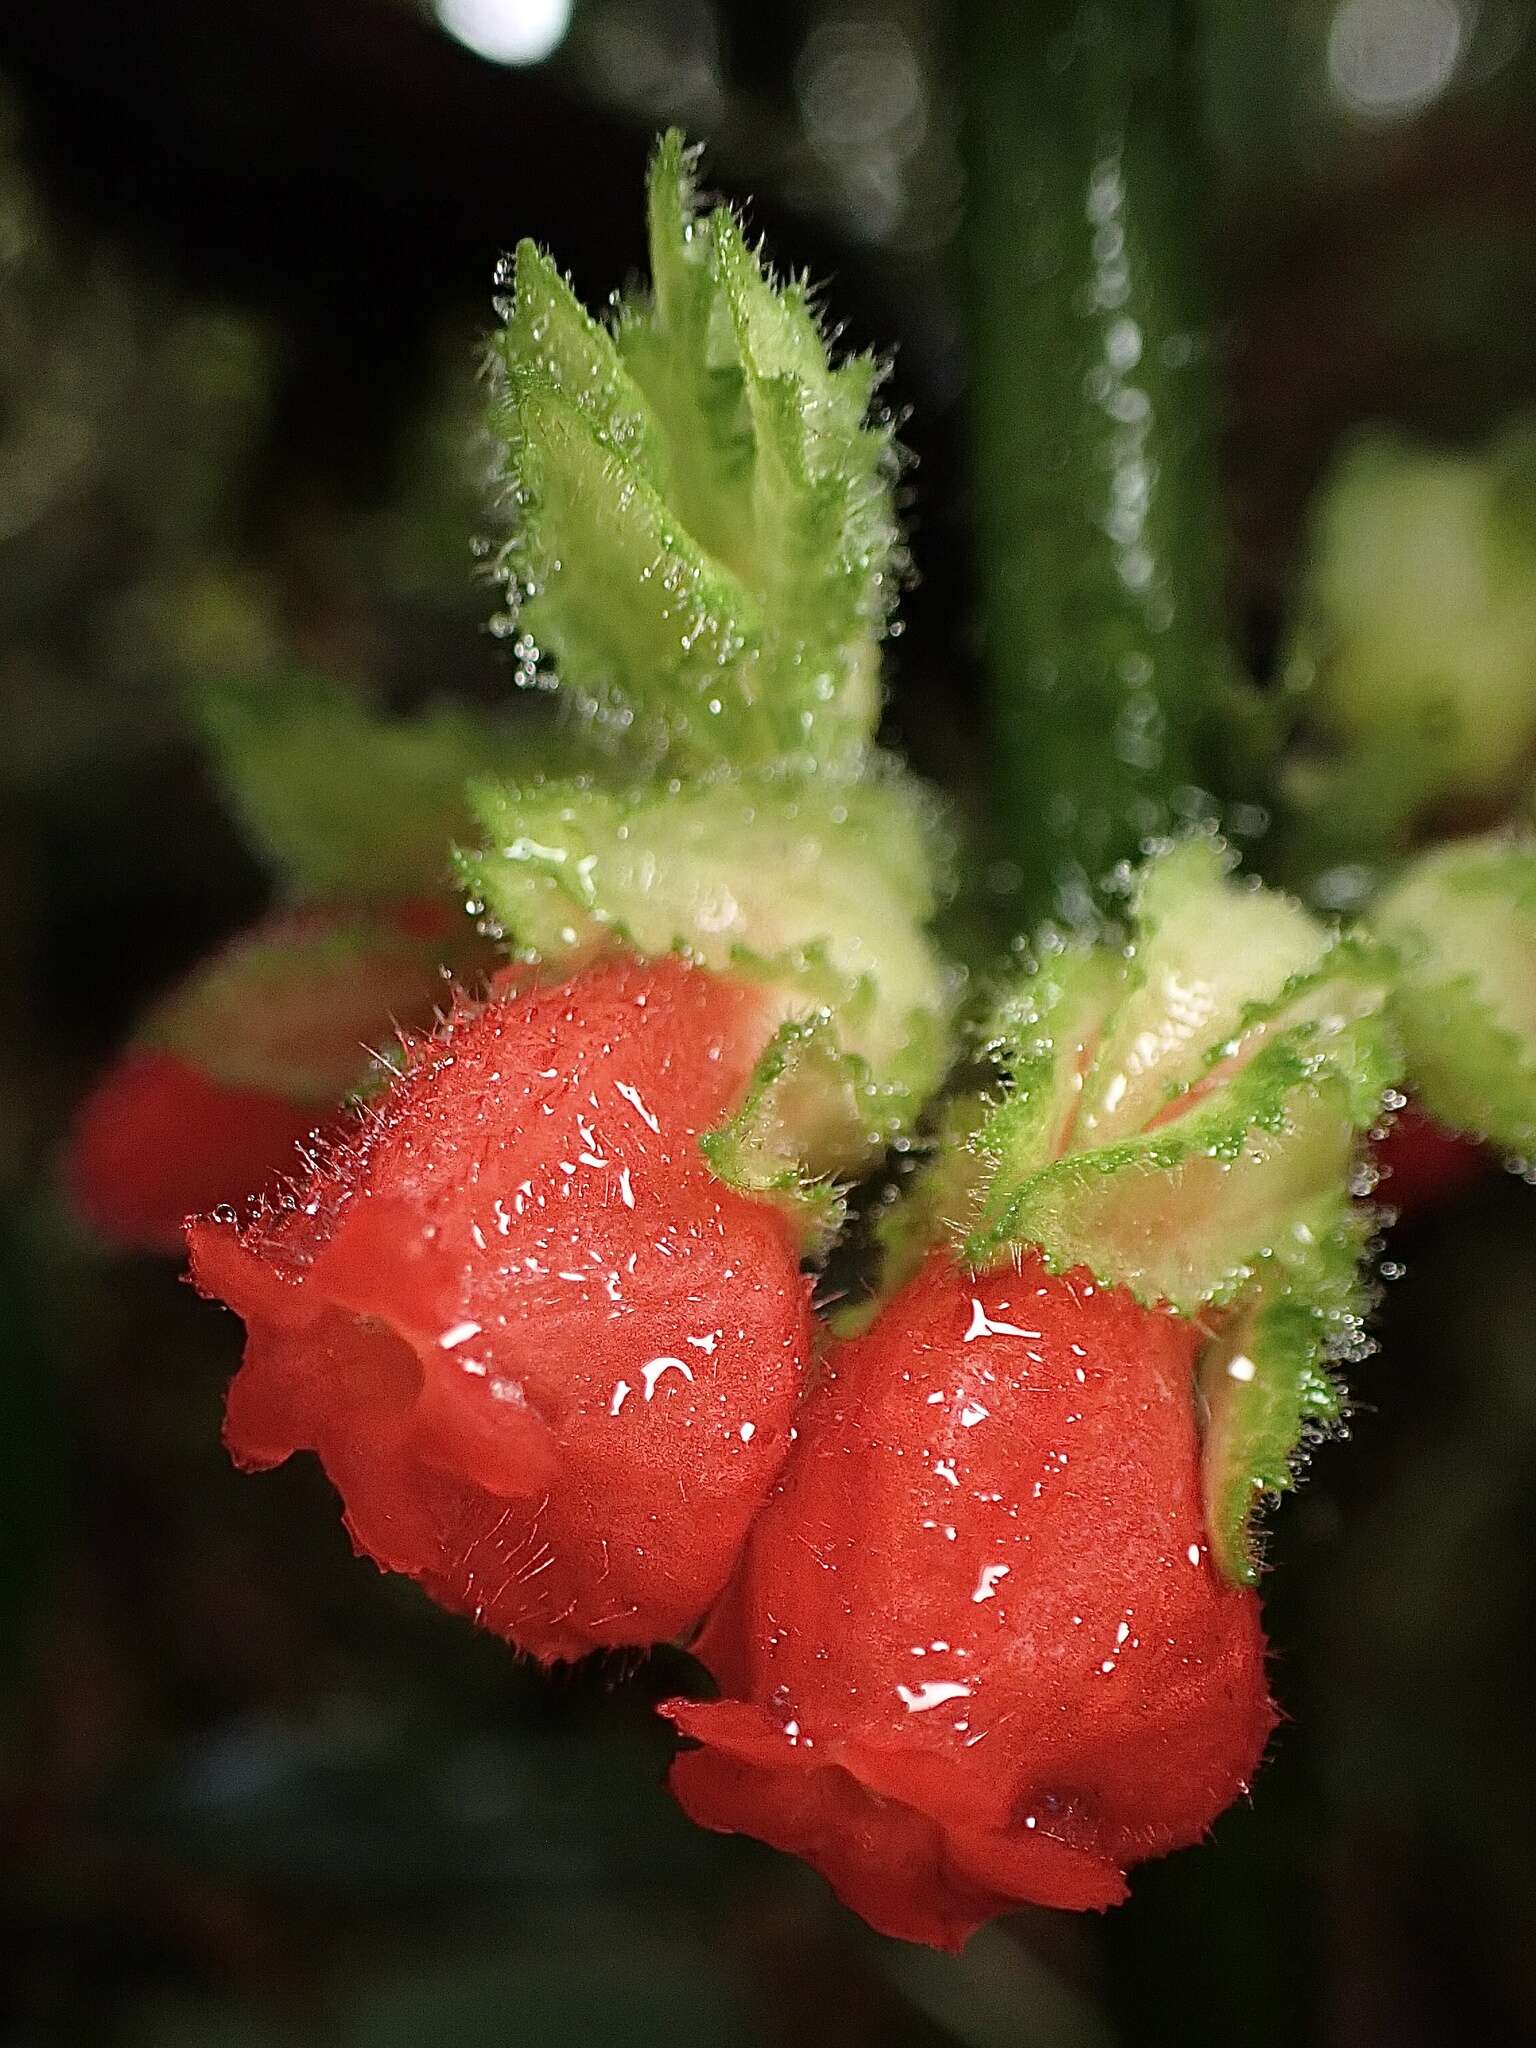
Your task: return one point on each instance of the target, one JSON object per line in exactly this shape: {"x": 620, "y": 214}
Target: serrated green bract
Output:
{"x": 677, "y": 344}
{"x": 819, "y": 889}
{"x": 702, "y": 523}
{"x": 1173, "y": 1110}
{"x": 1267, "y": 1382}
{"x": 1208, "y": 950}
{"x": 1182, "y": 1118}
{"x": 341, "y": 801}
{"x": 1044, "y": 1034}
{"x": 1463, "y": 922}
{"x": 808, "y": 1098}
{"x": 1188, "y": 1213}
{"x": 1416, "y": 645}
{"x": 703, "y": 538}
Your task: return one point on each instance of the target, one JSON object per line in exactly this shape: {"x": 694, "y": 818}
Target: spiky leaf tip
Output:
{"x": 702, "y": 532}
{"x": 341, "y": 800}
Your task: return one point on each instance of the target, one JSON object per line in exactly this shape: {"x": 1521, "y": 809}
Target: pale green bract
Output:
{"x": 819, "y": 889}
{"x": 808, "y": 1098}
{"x": 703, "y": 531}
{"x": 1415, "y": 652}
{"x": 1463, "y": 921}
{"x": 340, "y": 800}
{"x": 1182, "y": 1119}
{"x": 703, "y": 541}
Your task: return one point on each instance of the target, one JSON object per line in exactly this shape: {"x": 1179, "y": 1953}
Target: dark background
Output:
{"x": 253, "y": 1793}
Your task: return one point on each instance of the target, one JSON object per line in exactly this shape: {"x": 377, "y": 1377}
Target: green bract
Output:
{"x": 1266, "y": 1383}
{"x": 302, "y": 1006}
{"x": 820, "y": 888}
{"x": 344, "y": 802}
{"x": 703, "y": 531}
{"x": 703, "y": 540}
{"x": 1182, "y": 1120}
{"x": 1173, "y": 1108}
{"x": 1416, "y": 650}
{"x": 1463, "y": 921}
{"x": 808, "y": 1099}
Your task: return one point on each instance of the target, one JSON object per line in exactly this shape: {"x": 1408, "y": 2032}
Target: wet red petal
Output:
{"x": 548, "y": 1360}
{"x": 976, "y": 1654}
{"x": 920, "y": 1875}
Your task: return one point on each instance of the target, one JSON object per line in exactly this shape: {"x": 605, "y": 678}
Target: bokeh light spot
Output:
{"x": 1390, "y": 58}
{"x": 507, "y": 31}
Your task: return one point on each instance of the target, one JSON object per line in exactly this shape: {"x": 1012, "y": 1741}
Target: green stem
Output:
{"x": 1101, "y": 554}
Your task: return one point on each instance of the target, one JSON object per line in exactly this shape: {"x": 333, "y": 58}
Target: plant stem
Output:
{"x": 1100, "y": 536}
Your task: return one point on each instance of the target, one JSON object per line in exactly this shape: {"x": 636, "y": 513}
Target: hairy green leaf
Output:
{"x": 655, "y": 638}
{"x": 702, "y": 523}
{"x": 341, "y": 800}
{"x": 1463, "y": 921}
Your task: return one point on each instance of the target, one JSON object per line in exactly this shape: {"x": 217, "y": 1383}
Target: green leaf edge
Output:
{"x": 1304, "y": 1320}
{"x": 1359, "y": 1063}
{"x": 816, "y": 1204}
{"x": 1472, "y": 1072}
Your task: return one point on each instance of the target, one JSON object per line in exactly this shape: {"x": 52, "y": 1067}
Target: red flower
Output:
{"x": 547, "y": 1359}
{"x": 248, "y": 1057}
{"x": 158, "y": 1139}
{"x": 1422, "y": 1164}
{"x": 976, "y": 1654}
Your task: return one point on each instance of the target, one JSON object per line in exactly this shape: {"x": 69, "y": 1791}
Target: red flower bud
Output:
{"x": 976, "y": 1653}
{"x": 547, "y": 1359}
{"x": 249, "y": 1056}
{"x": 159, "y": 1139}
{"x": 1422, "y": 1164}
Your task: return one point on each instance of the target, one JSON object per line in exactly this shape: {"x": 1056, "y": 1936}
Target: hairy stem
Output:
{"x": 1101, "y": 556}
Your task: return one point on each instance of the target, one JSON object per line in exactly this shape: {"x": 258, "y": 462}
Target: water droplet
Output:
{"x": 983, "y": 1326}
{"x": 654, "y": 1371}
{"x": 919, "y": 1699}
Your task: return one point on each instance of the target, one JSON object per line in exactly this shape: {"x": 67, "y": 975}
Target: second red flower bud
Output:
{"x": 548, "y": 1360}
